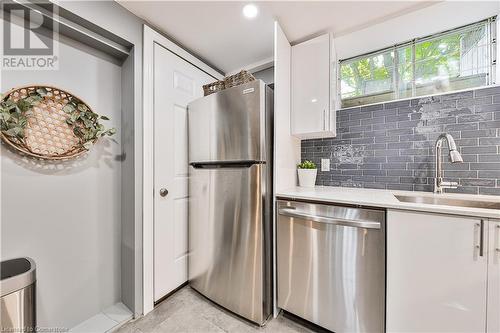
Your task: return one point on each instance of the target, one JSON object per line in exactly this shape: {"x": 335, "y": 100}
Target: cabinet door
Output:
{"x": 310, "y": 76}
{"x": 436, "y": 273}
{"x": 494, "y": 277}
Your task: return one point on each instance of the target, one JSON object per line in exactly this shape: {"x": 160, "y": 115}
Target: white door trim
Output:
{"x": 150, "y": 38}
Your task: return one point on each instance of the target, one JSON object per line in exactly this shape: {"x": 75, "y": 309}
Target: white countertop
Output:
{"x": 386, "y": 199}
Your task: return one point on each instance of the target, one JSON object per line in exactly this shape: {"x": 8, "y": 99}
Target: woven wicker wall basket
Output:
{"x": 47, "y": 135}
{"x": 228, "y": 82}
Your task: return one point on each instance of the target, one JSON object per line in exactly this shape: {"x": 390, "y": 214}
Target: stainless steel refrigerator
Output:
{"x": 230, "y": 193}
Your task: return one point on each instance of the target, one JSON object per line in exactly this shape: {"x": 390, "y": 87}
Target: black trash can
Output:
{"x": 17, "y": 295}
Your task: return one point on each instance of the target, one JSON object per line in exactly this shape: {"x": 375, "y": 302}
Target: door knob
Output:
{"x": 163, "y": 192}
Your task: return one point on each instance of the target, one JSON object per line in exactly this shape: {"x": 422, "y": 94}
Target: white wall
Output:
{"x": 286, "y": 147}
{"x": 436, "y": 18}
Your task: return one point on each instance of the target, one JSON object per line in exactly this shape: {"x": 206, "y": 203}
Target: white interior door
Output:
{"x": 176, "y": 83}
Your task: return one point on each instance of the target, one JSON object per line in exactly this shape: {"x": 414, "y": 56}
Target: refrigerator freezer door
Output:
{"x": 228, "y": 125}
{"x": 226, "y": 244}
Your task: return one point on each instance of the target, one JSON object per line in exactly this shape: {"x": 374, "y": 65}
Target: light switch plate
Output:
{"x": 325, "y": 164}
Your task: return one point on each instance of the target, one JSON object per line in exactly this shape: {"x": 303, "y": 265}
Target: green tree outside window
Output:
{"x": 451, "y": 61}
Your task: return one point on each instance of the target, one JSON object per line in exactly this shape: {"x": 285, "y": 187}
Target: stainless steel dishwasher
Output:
{"x": 331, "y": 265}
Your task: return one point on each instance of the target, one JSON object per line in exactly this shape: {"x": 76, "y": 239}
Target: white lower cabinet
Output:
{"x": 437, "y": 273}
{"x": 493, "y": 323}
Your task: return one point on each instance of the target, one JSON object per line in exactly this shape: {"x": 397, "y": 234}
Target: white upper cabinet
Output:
{"x": 313, "y": 109}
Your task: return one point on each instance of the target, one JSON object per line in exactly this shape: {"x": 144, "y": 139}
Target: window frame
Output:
{"x": 492, "y": 24}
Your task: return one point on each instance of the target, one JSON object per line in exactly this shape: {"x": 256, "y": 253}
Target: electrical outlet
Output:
{"x": 325, "y": 164}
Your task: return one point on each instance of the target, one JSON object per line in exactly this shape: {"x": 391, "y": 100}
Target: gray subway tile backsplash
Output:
{"x": 391, "y": 145}
{"x": 487, "y": 91}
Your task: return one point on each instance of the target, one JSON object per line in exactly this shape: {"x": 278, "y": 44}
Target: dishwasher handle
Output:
{"x": 291, "y": 212}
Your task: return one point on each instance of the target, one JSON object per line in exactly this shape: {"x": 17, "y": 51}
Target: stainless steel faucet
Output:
{"x": 455, "y": 157}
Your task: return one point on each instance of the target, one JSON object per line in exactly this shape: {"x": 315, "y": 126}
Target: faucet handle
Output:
{"x": 450, "y": 184}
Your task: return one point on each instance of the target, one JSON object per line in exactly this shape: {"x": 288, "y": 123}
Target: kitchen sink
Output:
{"x": 432, "y": 200}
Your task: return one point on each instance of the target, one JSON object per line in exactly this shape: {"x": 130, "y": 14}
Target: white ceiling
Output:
{"x": 219, "y": 34}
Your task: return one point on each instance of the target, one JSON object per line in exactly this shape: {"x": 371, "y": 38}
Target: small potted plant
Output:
{"x": 307, "y": 173}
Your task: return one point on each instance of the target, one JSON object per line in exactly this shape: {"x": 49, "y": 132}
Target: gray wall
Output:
{"x": 117, "y": 20}
{"x": 67, "y": 215}
{"x": 128, "y": 250}
{"x": 91, "y": 257}
{"x": 266, "y": 75}
{"x": 390, "y": 146}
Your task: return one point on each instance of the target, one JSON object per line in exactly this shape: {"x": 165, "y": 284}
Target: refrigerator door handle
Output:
{"x": 224, "y": 164}
{"x": 291, "y": 212}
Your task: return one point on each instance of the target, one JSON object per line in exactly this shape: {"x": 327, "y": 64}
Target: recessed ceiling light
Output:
{"x": 250, "y": 11}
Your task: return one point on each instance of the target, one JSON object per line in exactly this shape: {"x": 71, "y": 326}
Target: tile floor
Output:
{"x": 106, "y": 321}
{"x": 188, "y": 312}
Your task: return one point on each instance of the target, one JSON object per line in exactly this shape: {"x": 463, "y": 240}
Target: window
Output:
{"x": 457, "y": 59}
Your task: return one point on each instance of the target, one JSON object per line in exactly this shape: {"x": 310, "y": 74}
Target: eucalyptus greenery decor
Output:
{"x": 307, "y": 165}
{"x": 15, "y": 113}
{"x": 85, "y": 123}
